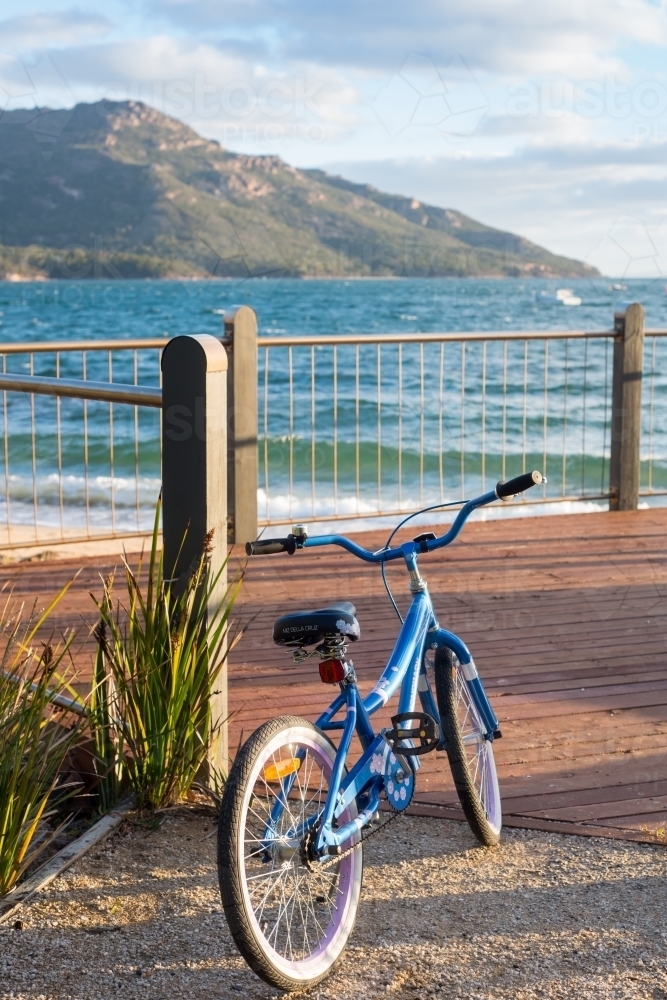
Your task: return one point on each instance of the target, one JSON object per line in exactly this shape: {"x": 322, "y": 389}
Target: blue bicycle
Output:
{"x": 293, "y": 817}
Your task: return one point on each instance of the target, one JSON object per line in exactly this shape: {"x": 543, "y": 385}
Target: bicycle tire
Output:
{"x": 471, "y": 758}
{"x": 268, "y": 949}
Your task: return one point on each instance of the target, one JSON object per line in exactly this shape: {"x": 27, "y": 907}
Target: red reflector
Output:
{"x": 332, "y": 671}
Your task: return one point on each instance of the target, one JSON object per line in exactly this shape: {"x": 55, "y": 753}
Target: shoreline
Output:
{"x": 16, "y": 279}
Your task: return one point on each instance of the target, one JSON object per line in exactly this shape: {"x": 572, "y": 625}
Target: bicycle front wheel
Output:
{"x": 289, "y": 917}
{"x": 470, "y": 755}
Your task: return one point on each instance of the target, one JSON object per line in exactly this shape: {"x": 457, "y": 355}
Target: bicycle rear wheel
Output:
{"x": 470, "y": 755}
{"x": 289, "y": 917}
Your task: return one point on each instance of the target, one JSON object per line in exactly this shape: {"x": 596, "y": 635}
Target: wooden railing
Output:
{"x": 358, "y": 426}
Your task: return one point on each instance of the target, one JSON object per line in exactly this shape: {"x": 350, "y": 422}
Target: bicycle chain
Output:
{"x": 339, "y": 857}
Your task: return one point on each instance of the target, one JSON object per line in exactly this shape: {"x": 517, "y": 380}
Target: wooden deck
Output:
{"x": 567, "y": 621}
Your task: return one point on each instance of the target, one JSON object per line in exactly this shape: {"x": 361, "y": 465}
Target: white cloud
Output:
{"x": 42, "y": 30}
{"x": 573, "y": 37}
{"x": 602, "y": 203}
{"x": 210, "y": 86}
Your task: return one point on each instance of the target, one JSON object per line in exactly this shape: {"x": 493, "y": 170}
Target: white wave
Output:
{"x": 341, "y": 514}
{"x": 75, "y": 488}
{"x": 123, "y": 503}
{"x": 355, "y": 514}
{"x": 99, "y": 519}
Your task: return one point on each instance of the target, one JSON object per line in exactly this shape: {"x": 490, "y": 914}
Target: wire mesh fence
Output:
{"x": 78, "y": 467}
{"x": 653, "y": 458}
{"x": 348, "y": 427}
{"x": 359, "y": 427}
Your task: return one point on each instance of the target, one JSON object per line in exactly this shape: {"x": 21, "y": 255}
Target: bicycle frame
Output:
{"x": 406, "y": 669}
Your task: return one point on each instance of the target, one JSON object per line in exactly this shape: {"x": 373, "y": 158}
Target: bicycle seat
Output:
{"x": 304, "y": 628}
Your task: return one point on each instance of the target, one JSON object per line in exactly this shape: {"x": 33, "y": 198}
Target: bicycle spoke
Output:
{"x": 293, "y": 904}
{"x": 475, "y": 745}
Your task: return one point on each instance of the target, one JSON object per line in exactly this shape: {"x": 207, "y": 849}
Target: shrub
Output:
{"x": 33, "y": 739}
{"x": 159, "y": 657}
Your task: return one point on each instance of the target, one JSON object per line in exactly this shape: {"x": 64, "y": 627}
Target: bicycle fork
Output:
{"x": 440, "y": 637}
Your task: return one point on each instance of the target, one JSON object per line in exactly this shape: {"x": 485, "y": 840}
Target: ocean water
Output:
{"x": 387, "y": 432}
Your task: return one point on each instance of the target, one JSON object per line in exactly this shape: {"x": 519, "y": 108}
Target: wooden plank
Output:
{"x": 575, "y": 706}
{"x": 548, "y": 605}
{"x": 598, "y": 811}
{"x": 656, "y": 821}
{"x": 517, "y": 822}
{"x": 641, "y": 835}
{"x": 589, "y": 797}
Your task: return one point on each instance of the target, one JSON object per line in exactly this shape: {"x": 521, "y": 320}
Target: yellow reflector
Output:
{"x": 276, "y": 772}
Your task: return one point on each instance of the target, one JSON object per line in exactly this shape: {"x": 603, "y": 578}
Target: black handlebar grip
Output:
{"x": 269, "y": 546}
{"x": 519, "y": 484}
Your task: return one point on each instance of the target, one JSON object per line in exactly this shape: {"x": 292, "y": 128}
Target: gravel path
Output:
{"x": 542, "y": 916}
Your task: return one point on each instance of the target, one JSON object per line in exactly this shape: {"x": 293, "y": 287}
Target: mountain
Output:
{"x": 119, "y": 189}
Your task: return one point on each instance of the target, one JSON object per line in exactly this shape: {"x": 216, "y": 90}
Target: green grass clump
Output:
{"x": 33, "y": 739}
{"x": 160, "y": 654}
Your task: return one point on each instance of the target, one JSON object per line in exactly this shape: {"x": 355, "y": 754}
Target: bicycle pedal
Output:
{"x": 426, "y": 731}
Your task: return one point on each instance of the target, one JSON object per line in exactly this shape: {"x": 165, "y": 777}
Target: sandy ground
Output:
{"x": 541, "y": 916}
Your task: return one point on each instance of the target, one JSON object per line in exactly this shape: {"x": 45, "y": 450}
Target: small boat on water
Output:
{"x": 563, "y": 297}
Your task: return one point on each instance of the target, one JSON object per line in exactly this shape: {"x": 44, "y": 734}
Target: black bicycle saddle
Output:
{"x": 305, "y": 628}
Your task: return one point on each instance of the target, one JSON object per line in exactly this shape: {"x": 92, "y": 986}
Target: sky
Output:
{"x": 547, "y": 119}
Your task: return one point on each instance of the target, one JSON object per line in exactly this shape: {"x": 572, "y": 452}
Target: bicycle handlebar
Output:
{"x": 268, "y": 546}
{"x": 517, "y": 485}
{"x": 502, "y": 492}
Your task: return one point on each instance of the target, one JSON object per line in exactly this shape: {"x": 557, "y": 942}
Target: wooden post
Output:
{"x": 194, "y": 478}
{"x": 241, "y": 328}
{"x": 626, "y": 408}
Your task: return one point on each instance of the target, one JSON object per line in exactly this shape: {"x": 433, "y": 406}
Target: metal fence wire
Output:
{"x": 348, "y": 427}
{"x": 72, "y": 467}
{"x": 653, "y": 462}
{"x": 364, "y": 427}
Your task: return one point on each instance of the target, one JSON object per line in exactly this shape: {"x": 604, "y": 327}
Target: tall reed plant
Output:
{"x": 160, "y": 654}
{"x": 106, "y": 730}
{"x": 34, "y": 738}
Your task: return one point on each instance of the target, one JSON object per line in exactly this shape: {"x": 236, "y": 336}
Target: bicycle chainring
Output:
{"x": 399, "y": 781}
